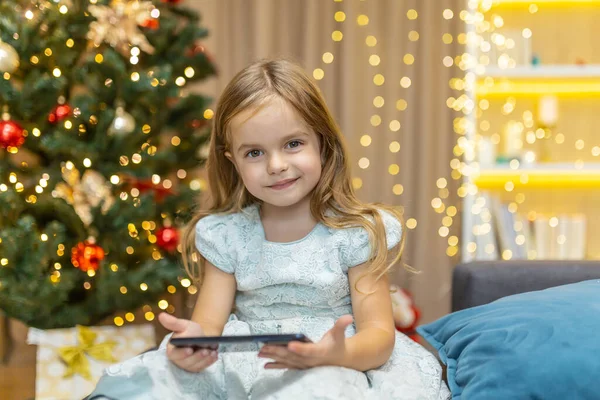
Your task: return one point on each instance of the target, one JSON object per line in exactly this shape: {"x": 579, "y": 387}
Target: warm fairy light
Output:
{"x": 378, "y": 79}
{"x": 405, "y": 82}
{"x": 401, "y": 105}
{"x": 208, "y": 113}
{"x": 411, "y": 223}
{"x": 63, "y": 9}
{"x": 394, "y": 125}
{"x": 56, "y": 72}
{"x": 135, "y": 76}
{"x": 29, "y": 14}
{"x": 394, "y": 147}
{"x": 114, "y": 179}
{"x": 337, "y": 36}
{"x": 394, "y": 169}
{"x": 357, "y": 183}
{"x": 149, "y": 316}
{"x": 180, "y": 81}
{"x": 362, "y": 20}
{"x": 318, "y": 74}
{"x": 171, "y": 289}
{"x": 119, "y": 321}
{"x": 339, "y": 16}
{"x": 99, "y": 58}
{"x": 412, "y": 14}
{"x": 364, "y": 163}
{"x": 163, "y": 304}
{"x": 374, "y": 60}
{"x": 365, "y": 140}
{"x": 375, "y": 120}
{"x": 371, "y": 41}
{"x": 398, "y": 189}
{"x": 189, "y": 72}
{"x": 185, "y": 282}
{"x": 327, "y": 58}
{"x": 143, "y": 287}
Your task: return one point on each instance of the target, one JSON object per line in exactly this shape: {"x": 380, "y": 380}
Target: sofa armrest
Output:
{"x": 482, "y": 282}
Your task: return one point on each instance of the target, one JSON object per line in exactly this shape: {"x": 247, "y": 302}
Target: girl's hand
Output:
{"x": 186, "y": 358}
{"x": 330, "y": 350}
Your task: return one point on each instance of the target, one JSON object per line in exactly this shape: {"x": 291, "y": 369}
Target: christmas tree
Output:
{"x": 98, "y": 139}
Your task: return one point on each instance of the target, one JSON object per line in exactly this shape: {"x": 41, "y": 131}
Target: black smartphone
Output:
{"x": 237, "y": 343}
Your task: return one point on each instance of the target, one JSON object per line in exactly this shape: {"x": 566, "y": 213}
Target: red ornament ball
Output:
{"x": 11, "y": 134}
{"x": 59, "y": 113}
{"x": 87, "y": 256}
{"x": 151, "y": 23}
{"x": 167, "y": 238}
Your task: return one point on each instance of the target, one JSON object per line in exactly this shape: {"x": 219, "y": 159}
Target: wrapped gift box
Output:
{"x": 70, "y": 361}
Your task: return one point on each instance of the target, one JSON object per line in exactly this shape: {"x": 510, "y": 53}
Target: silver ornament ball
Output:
{"x": 9, "y": 58}
{"x": 123, "y": 123}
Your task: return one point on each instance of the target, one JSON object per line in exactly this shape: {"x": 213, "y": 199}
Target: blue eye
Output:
{"x": 253, "y": 153}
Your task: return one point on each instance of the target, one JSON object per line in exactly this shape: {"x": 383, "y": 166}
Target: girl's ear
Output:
{"x": 230, "y": 158}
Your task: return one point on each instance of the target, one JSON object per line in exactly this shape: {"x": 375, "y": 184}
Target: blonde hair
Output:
{"x": 250, "y": 88}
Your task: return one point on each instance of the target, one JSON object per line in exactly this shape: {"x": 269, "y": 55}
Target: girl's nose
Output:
{"x": 277, "y": 164}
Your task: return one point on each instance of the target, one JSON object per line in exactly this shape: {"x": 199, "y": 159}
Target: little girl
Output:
{"x": 288, "y": 243}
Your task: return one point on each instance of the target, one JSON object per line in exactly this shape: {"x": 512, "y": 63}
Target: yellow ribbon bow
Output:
{"x": 75, "y": 356}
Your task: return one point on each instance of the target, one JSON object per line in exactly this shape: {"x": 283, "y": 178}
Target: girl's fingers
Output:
{"x": 203, "y": 363}
{"x": 285, "y": 357}
{"x": 304, "y": 349}
{"x": 177, "y": 354}
{"x": 199, "y": 358}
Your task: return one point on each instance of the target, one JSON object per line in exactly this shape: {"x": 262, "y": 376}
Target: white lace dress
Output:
{"x": 300, "y": 286}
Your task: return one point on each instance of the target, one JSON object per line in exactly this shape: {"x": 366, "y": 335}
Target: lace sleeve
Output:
{"x": 215, "y": 242}
{"x": 355, "y": 248}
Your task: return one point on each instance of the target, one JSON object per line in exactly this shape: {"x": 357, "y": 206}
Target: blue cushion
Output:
{"x": 536, "y": 345}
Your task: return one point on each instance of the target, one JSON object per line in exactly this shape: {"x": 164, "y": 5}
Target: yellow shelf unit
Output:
{"x": 527, "y": 3}
{"x": 550, "y": 176}
{"x": 568, "y": 80}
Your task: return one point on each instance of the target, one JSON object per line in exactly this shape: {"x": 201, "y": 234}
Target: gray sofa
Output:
{"x": 481, "y": 282}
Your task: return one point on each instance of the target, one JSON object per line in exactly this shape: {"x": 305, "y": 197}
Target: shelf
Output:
{"x": 545, "y": 72}
{"x": 526, "y": 3}
{"x": 541, "y": 176}
{"x": 573, "y": 80}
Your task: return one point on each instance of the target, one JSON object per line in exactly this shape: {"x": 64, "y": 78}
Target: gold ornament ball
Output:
{"x": 9, "y": 58}
{"x": 123, "y": 123}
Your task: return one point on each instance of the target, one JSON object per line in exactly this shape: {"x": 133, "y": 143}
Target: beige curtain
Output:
{"x": 242, "y": 31}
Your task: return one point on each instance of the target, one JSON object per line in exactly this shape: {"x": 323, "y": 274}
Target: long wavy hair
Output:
{"x": 250, "y": 89}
